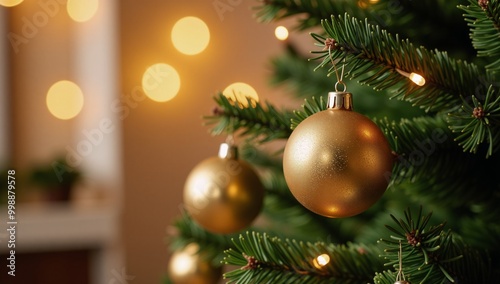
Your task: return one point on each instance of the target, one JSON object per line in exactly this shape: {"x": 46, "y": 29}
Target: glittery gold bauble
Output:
{"x": 337, "y": 162}
{"x": 223, "y": 194}
{"x": 187, "y": 266}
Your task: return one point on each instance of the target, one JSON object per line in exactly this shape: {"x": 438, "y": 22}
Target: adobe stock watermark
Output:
{"x": 223, "y": 6}
{"x": 383, "y": 17}
{"x": 120, "y": 277}
{"x": 122, "y": 108}
{"x": 94, "y": 137}
{"x": 425, "y": 148}
{"x": 32, "y": 25}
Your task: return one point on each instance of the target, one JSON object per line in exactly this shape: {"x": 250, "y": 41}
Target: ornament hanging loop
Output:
{"x": 340, "y": 78}
{"x": 340, "y": 83}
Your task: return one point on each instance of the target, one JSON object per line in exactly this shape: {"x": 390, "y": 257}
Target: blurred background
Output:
{"x": 101, "y": 105}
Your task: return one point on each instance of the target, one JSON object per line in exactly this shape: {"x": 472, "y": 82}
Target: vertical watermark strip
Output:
{"x": 11, "y": 221}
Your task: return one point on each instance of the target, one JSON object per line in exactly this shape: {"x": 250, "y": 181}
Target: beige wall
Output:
{"x": 164, "y": 141}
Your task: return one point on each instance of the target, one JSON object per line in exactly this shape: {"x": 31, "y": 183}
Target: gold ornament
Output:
{"x": 223, "y": 194}
{"x": 187, "y": 266}
{"x": 337, "y": 162}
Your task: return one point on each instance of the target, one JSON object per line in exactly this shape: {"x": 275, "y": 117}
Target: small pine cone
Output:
{"x": 413, "y": 239}
{"x": 330, "y": 43}
{"x": 483, "y": 4}
{"x": 217, "y": 111}
{"x": 478, "y": 112}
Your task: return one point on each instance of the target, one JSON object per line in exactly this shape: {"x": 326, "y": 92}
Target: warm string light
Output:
{"x": 10, "y": 3}
{"x": 281, "y": 33}
{"x": 190, "y": 35}
{"x": 416, "y": 78}
{"x": 64, "y": 99}
{"x": 82, "y": 10}
{"x": 241, "y": 93}
{"x": 322, "y": 260}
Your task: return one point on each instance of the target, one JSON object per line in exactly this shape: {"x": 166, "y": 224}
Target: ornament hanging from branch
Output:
{"x": 223, "y": 194}
{"x": 189, "y": 265}
{"x": 337, "y": 162}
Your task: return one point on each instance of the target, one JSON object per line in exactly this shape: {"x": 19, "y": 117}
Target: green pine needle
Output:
{"x": 266, "y": 259}
{"x": 484, "y": 23}
{"x": 260, "y": 122}
{"x": 373, "y": 56}
{"x": 430, "y": 254}
{"x": 478, "y": 123}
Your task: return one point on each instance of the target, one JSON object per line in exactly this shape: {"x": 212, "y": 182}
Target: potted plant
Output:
{"x": 57, "y": 178}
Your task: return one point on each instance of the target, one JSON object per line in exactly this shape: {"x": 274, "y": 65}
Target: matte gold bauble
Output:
{"x": 223, "y": 194}
{"x": 337, "y": 162}
{"x": 187, "y": 266}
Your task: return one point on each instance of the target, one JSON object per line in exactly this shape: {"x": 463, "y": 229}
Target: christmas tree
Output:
{"x": 428, "y": 74}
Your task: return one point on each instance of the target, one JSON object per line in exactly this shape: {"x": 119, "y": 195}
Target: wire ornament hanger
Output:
{"x": 341, "y": 77}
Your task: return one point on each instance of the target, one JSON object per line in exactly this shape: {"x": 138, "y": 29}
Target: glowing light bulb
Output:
{"x": 82, "y": 10}
{"x": 64, "y": 99}
{"x": 190, "y": 35}
{"x": 416, "y": 78}
{"x": 240, "y": 92}
{"x": 10, "y": 3}
{"x": 281, "y": 33}
{"x": 161, "y": 82}
{"x": 321, "y": 261}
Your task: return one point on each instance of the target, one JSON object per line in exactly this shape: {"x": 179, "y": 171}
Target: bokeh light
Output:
{"x": 82, "y": 10}
{"x": 10, "y": 3}
{"x": 161, "y": 82}
{"x": 64, "y": 99}
{"x": 240, "y": 92}
{"x": 322, "y": 260}
{"x": 281, "y": 33}
{"x": 190, "y": 35}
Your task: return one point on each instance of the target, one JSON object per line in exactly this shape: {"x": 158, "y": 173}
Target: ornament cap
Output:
{"x": 339, "y": 100}
{"x": 228, "y": 151}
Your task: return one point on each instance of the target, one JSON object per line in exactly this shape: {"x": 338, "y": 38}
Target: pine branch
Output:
{"x": 425, "y": 148}
{"x": 295, "y": 71}
{"x": 478, "y": 124}
{"x": 375, "y": 56}
{"x": 265, "y": 259}
{"x": 259, "y": 122}
{"x": 431, "y": 255}
{"x": 313, "y": 11}
{"x": 433, "y": 18}
{"x": 483, "y": 18}
{"x": 186, "y": 231}
{"x": 310, "y": 107}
